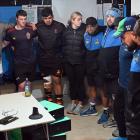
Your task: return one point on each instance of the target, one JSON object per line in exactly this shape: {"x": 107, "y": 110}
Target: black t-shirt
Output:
{"x": 21, "y": 40}
{"x": 50, "y": 42}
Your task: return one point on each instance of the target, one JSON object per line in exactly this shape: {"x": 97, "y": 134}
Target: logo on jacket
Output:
{"x": 14, "y": 38}
{"x": 87, "y": 41}
{"x": 28, "y": 35}
{"x": 97, "y": 42}
{"x": 136, "y": 57}
{"x": 55, "y": 31}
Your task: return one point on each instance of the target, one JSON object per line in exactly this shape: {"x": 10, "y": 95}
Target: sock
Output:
{"x": 92, "y": 104}
{"x": 92, "y": 100}
{"x": 106, "y": 108}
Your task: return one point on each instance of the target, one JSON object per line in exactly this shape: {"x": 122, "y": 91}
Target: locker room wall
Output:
{"x": 63, "y": 8}
{"x": 7, "y": 13}
{"x": 135, "y": 7}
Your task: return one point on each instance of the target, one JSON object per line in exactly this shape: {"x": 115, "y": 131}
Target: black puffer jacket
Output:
{"x": 73, "y": 45}
{"x": 50, "y": 42}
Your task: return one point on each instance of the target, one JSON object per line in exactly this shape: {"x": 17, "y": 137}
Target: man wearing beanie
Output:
{"x": 49, "y": 34}
{"x": 92, "y": 39}
{"x": 129, "y": 32}
{"x": 109, "y": 63}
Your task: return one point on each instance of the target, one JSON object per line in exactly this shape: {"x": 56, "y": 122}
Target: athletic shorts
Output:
{"x": 92, "y": 74}
{"x": 51, "y": 70}
{"x": 21, "y": 72}
{"x": 111, "y": 87}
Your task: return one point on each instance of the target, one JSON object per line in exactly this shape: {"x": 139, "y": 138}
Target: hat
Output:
{"x": 127, "y": 24}
{"x": 114, "y": 12}
{"x": 47, "y": 11}
{"x": 91, "y": 21}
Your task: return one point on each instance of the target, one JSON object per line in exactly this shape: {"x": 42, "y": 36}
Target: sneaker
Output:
{"x": 77, "y": 110}
{"x": 91, "y": 111}
{"x": 118, "y": 138}
{"x": 104, "y": 117}
{"x": 71, "y": 108}
{"x": 115, "y": 133}
{"x": 110, "y": 123}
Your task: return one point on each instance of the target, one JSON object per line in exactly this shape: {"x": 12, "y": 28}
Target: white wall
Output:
{"x": 135, "y": 7}
{"x": 63, "y": 8}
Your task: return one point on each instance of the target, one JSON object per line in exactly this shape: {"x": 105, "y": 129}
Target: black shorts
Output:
{"x": 24, "y": 71}
{"x": 92, "y": 74}
{"x": 55, "y": 70}
{"x": 111, "y": 87}
{"x": 93, "y": 79}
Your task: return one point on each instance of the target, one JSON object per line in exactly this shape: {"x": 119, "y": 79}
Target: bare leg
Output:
{"x": 21, "y": 87}
{"x": 92, "y": 93}
{"x": 57, "y": 87}
{"x": 105, "y": 99}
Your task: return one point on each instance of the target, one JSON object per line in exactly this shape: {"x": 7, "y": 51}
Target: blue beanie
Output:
{"x": 114, "y": 12}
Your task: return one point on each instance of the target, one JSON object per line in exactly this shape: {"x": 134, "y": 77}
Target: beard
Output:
{"x": 132, "y": 47}
{"x": 111, "y": 26}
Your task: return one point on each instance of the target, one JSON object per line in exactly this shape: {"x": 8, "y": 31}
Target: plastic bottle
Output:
{"x": 27, "y": 88}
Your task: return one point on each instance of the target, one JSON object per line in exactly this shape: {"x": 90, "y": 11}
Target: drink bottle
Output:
{"x": 27, "y": 88}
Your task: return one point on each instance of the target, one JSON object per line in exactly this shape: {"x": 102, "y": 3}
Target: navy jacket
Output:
{"x": 109, "y": 55}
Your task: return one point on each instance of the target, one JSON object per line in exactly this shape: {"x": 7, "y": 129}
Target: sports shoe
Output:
{"x": 71, "y": 108}
{"x": 104, "y": 117}
{"x": 91, "y": 111}
{"x": 115, "y": 133}
{"x": 110, "y": 123}
{"x": 118, "y": 138}
{"x": 77, "y": 110}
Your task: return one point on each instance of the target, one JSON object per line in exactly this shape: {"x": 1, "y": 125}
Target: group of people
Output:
{"x": 109, "y": 59}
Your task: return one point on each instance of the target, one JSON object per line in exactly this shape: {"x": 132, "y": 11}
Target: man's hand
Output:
{"x": 32, "y": 25}
{"x": 4, "y": 44}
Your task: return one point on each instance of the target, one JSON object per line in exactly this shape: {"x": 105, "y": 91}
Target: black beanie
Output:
{"x": 47, "y": 11}
{"x": 91, "y": 21}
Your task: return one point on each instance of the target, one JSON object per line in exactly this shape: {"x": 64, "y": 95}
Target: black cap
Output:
{"x": 91, "y": 21}
{"x": 47, "y": 11}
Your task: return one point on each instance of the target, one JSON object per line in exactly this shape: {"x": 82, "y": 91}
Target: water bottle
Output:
{"x": 27, "y": 88}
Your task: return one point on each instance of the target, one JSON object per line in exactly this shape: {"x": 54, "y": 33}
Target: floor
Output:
{"x": 83, "y": 128}
{"x": 86, "y": 128}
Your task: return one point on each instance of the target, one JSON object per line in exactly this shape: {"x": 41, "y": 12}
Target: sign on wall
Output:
{"x": 135, "y": 7}
{"x": 31, "y": 12}
{"x": 64, "y": 8}
{"x": 34, "y": 12}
